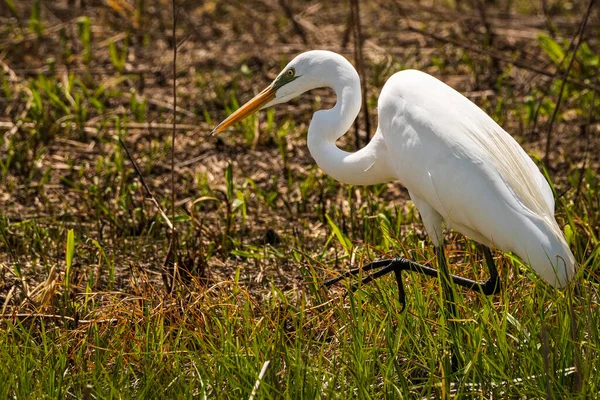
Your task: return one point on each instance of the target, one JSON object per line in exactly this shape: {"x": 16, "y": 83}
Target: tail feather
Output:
{"x": 548, "y": 254}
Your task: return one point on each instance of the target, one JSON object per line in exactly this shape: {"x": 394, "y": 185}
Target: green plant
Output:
{"x": 118, "y": 56}
{"x": 35, "y": 21}
{"x": 84, "y": 29}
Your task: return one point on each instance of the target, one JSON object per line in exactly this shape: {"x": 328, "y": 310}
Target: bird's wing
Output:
{"x": 465, "y": 129}
{"x": 450, "y": 154}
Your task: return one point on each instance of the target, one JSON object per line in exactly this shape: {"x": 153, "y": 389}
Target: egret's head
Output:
{"x": 306, "y": 71}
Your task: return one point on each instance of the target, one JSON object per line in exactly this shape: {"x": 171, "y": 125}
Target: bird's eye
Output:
{"x": 290, "y": 72}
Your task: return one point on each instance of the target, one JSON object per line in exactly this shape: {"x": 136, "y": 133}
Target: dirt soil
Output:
{"x": 239, "y": 47}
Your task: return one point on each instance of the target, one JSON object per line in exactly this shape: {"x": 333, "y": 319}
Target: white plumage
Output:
{"x": 457, "y": 163}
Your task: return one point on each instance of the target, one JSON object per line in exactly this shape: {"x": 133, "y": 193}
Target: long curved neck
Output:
{"x": 369, "y": 165}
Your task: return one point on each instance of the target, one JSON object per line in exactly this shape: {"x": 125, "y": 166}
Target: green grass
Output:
{"x": 86, "y": 312}
{"x": 214, "y": 342}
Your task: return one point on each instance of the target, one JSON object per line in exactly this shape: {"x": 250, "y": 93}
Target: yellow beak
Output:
{"x": 247, "y": 109}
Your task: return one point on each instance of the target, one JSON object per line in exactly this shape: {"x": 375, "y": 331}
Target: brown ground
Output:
{"x": 239, "y": 47}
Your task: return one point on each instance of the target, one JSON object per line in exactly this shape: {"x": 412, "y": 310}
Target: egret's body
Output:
{"x": 457, "y": 163}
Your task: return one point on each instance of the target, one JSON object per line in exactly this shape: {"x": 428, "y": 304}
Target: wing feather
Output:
{"x": 450, "y": 154}
{"x": 465, "y": 127}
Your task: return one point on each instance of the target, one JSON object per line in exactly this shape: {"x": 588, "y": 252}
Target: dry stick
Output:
{"x": 587, "y": 137}
{"x": 490, "y": 38}
{"x": 545, "y": 359}
{"x": 59, "y": 317}
{"x": 34, "y": 36}
{"x": 359, "y": 59}
{"x": 578, "y": 380}
{"x": 172, "y": 252}
{"x": 549, "y": 85}
{"x": 150, "y": 195}
{"x": 548, "y": 19}
{"x": 500, "y": 57}
{"x": 11, "y": 253}
{"x": 346, "y": 36}
{"x": 350, "y": 29}
{"x": 87, "y": 392}
{"x": 174, "y": 114}
{"x": 297, "y": 27}
{"x": 166, "y": 106}
{"x": 563, "y": 84}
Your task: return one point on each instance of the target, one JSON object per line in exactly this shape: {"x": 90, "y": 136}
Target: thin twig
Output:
{"x": 93, "y": 127}
{"x": 563, "y": 84}
{"x": 490, "y": 39}
{"x": 165, "y": 105}
{"x": 548, "y": 19}
{"x": 150, "y": 195}
{"x": 348, "y": 30}
{"x": 171, "y": 258}
{"x": 540, "y": 102}
{"x": 587, "y": 137}
{"x": 516, "y": 63}
{"x": 577, "y": 350}
{"x": 361, "y": 65}
{"x": 545, "y": 359}
{"x": 18, "y": 41}
{"x": 60, "y": 317}
{"x": 354, "y": 21}
{"x": 174, "y": 115}
{"x": 297, "y": 27}
{"x": 500, "y": 57}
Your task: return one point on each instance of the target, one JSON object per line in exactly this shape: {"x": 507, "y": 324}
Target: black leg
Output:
{"x": 492, "y": 285}
{"x": 445, "y": 280}
{"x": 397, "y": 265}
{"x": 452, "y": 360}
{"x": 356, "y": 271}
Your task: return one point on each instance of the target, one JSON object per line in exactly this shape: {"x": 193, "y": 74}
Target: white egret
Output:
{"x": 459, "y": 166}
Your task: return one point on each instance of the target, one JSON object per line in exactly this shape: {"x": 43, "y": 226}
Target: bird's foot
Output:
{"x": 395, "y": 265}
{"x": 399, "y": 264}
